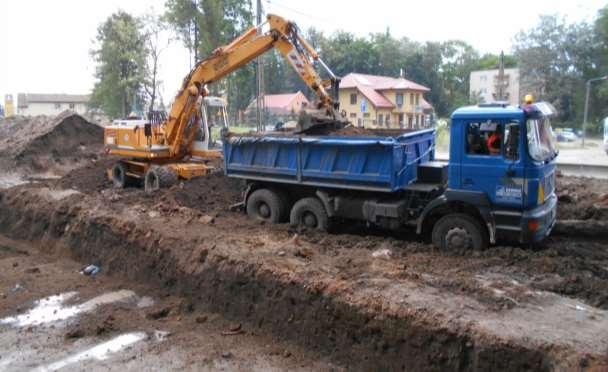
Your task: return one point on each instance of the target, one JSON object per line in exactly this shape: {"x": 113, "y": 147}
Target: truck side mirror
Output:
{"x": 512, "y": 141}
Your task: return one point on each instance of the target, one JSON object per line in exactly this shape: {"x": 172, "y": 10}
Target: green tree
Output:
{"x": 599, "y": 65}
{"x": 204, "y": 25}
{"x": 121, "y": 59}
{"x": 553, "y": 58}
{"x": 491, "y": 61}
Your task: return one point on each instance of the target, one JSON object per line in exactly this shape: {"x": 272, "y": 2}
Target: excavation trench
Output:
{"x": 273, "y": 290}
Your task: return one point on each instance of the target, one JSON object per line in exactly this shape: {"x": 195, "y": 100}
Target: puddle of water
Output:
{"x": 10, "y": 180}
{"x": 145, "y": 301}
{"x": 98, "y": 352}
{"x": 52, "y": 309}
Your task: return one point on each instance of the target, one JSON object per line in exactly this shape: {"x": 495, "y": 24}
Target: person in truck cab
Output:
{"x": 493, "y": 142}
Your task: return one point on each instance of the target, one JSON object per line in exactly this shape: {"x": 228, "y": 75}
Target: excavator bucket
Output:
{"x": 316, "y": 122}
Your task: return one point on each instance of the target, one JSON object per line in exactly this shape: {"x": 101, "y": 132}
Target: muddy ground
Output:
{"x": 363, "y": 298}
{"x": 175, "y": 334}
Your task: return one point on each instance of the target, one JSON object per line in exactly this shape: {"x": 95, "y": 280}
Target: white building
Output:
{"x": 485, "y": 84}
{"x": 29, "y": 104}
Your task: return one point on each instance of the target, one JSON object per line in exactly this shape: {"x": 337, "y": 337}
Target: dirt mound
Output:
{"x": 582, "y": 198}
{"x": 49, "y": 144}
{"x": 214, "y": 192}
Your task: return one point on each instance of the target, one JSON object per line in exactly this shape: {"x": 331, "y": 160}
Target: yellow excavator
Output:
{"x": 160, "y": 150}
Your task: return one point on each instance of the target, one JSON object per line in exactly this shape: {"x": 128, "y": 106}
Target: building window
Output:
{"x": 401, "y": 121}
{"x": 353, "y": 98}
{"x": 380, "y": 119}
{"x": 399, "y": 99}
{"x": 483, "y": 78}
{"x": 353, "y": 115}
{"x": 411, "y": 98}
{"x": 410, "y": 120}
{"x": 417, "y": 99}
{"x": 72, "y": 106}
{"x": 58, "y": 105}
{"x": 366, "y": 115}
{"x": 388, "y": 121}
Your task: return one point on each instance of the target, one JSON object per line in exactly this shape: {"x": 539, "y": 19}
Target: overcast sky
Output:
{"x": 45, "y": 44}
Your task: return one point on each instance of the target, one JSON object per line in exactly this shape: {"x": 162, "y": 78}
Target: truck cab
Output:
{"x": 502, "y": 162}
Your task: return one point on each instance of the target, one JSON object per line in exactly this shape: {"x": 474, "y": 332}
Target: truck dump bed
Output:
{"x": 372, "y": 163}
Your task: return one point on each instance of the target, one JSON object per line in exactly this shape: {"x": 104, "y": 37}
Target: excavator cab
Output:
{"x": 214, "y": 115}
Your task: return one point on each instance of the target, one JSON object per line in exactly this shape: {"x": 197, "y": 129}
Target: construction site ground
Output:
{"x": 356, "y": 298}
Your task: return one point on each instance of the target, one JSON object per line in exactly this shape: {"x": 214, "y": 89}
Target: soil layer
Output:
{"x": 372, "y": 301}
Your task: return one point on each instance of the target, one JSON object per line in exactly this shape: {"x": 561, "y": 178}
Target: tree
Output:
{"x": 155, "y": 45}
{"x": 553, "y": 58}
{"x": 204, "y": 25}
{"x": 120, "y": 56}
{"x": 491, "y": 61}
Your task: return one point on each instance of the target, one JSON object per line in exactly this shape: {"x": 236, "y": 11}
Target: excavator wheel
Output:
{"x": 157, "y": 177}
{"x": 120, "y": 178}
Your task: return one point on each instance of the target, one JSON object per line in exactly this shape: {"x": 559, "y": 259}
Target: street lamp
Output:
{"x": 588, "y": 84}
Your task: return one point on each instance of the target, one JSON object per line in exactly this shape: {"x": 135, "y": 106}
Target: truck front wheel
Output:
{"x": 266, "y": 205}
{"x": 310, "y": 213}
{"x": 458, "y": 231}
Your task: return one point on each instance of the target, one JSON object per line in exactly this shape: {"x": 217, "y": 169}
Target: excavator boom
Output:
{"x": 172, "y": 140}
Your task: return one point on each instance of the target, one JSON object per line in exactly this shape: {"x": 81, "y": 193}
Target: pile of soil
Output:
{"x": 48, "y": 144}
{"x": 348, "y": 131}
{"x": 582, "y": 198}
{"x": 212, "y": 193}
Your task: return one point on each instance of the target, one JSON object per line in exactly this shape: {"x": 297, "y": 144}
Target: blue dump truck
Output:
{"x": 499, "y": 183}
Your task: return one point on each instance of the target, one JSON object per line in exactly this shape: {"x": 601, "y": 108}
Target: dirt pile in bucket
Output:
{"x": 51, "y": 145}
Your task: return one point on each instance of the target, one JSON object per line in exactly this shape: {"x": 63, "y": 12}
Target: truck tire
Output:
{"x": 119, "y": 176}
{"x": 157, "y": 177}
{"x": 458, "y": 232}
{"x": 310, "y": 213}
{"x": 266, "y": 205}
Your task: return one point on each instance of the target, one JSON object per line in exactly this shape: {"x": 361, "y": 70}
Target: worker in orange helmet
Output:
{"x": 493, "y": 142}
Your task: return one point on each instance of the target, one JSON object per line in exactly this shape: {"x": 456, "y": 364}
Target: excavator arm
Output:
{"x": 283, "y": 35}
{"x": 163, "y": 146}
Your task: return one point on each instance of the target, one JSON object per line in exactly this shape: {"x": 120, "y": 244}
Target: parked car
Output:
{"x": 566, "y": 135}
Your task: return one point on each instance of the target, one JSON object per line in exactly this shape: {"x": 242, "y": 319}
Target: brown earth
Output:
{"x": 48, "y": 145}
{"x": 582, "y": 198}
{"x": 369, "y": 299}
{"x": 366, "y": 298}
{"x": 192, "y": 339}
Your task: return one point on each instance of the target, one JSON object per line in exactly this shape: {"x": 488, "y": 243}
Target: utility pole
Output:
{"x": 588, "y": 84}
{"x": 501, "y": 83}
{"x": 259, "y": 75}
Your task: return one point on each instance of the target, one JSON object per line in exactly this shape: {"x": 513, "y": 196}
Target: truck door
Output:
{"x": 492, "y": 161}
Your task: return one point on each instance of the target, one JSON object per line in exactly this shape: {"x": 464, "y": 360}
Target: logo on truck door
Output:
{"x": 509, "y": 193}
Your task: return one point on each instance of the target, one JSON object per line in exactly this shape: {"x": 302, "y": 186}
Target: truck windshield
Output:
{"x": 541, "y": 144}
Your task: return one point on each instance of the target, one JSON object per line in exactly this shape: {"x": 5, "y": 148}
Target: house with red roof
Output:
{"x": 373, "y": 101}
{"x": 280, "y": 107}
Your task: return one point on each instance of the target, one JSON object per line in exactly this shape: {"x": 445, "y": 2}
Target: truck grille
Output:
{"x": 549, "y": 184}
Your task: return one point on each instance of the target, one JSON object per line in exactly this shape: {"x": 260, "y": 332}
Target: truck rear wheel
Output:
{"x": 157, "y": 177}
{"x": 266, "y": 205}
{"x": 310, "y": 213}
{"x": 459, "y": 231}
